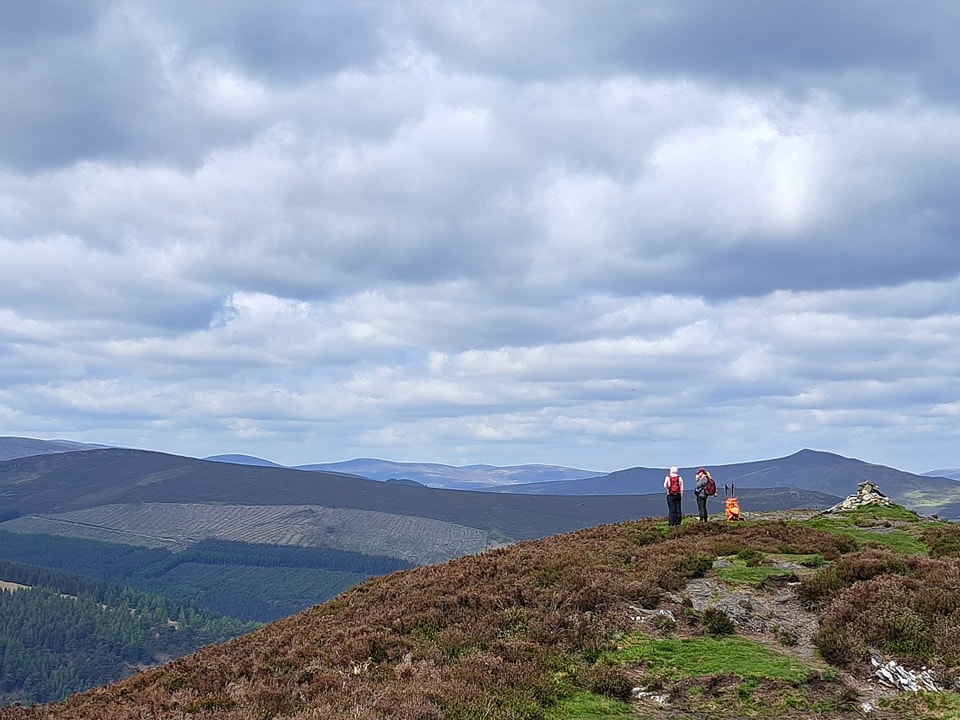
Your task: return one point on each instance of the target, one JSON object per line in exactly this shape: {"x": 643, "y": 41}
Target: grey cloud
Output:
{"x": 289, "y": 43}
{"x": 26, "y": 26}
{"x": 756, "y": 40}
{"x": 100, "y": 89}
{"x": 528, "y": 232}
{"x": 793, "y": 46}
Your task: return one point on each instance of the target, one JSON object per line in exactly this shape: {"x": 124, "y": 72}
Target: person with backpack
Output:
{"x": 673, "y": 484}
{"x": 706, "y": 486}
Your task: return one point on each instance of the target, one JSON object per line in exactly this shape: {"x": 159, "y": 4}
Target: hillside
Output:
{"x": 766, "y": 619}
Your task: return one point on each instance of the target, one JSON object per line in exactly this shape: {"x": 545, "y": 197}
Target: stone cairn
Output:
{"x": 867, "y": 494}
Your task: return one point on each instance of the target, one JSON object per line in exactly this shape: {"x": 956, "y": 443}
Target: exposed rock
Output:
{"x": 759, "y": 613}
{"x": 644, "y": 615}
{"x": 656, "y": 698}
{"x": 867, "y": 494}
{"x": 894, "y": 675}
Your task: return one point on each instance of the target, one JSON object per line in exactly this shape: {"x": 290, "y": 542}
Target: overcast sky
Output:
{"x": 595, "y": 234}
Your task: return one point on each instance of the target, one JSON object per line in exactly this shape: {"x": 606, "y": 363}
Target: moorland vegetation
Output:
{"x": 605, "y": 622}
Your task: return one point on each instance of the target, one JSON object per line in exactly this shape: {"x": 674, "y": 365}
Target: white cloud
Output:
{"x": 621, "y": 240}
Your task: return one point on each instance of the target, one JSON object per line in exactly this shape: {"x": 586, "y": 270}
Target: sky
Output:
{"x": 598, "y": 234}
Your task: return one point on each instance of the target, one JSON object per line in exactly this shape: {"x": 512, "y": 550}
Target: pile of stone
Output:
{"x": 867, "y": 494}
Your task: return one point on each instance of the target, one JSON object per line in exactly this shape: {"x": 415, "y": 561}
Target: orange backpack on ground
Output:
{"x": 733, "y": 509}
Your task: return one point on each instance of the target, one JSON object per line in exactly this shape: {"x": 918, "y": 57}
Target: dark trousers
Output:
{"x": 674, "y": 513}
{"x": 702, "y": 506}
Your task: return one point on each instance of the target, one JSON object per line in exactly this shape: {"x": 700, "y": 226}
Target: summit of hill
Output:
{"x": 784, "y": 618}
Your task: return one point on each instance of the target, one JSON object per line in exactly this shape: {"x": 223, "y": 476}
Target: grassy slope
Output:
{"x": 548, "y": 629}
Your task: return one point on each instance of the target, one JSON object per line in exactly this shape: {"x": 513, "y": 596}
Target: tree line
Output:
{"x": 247, "y": 581}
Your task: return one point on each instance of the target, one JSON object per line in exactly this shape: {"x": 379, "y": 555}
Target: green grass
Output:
{"x": 810, "y": 560}
{"x": 678, "y": 659}
{"x": 893, "y": 538}
{"x": 873, "y": 513}
{"x": 742, "y": 574}
{"x": 894, "y": 527}
{"x": 924, "y": 705}
{"x": 588, "y": 706}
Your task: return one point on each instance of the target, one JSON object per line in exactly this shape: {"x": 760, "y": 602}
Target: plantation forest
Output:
{"x": 82, "y": 613}
{"x": 250, "y": 582}
{"x": 61, "y": 633}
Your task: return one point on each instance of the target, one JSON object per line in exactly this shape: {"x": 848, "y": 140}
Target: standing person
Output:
{"x": 673, "y": 484}
{"x": 705, "y": 484}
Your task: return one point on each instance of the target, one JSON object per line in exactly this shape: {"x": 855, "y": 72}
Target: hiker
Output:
{"x": 706, "y": 486}
{"x": 673, "y": 484}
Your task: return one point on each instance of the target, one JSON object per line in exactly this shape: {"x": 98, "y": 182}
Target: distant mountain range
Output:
{"x": 805, "y": 471}
{"x": 950, "y": 473}
{"x": 934, "y": 492}
{"x": 437, "y": 475}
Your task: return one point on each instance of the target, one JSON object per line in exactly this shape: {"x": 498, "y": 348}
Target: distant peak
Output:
{"x": 239, "y": 459}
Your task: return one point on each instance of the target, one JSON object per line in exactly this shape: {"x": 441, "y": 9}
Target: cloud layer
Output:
{"x": 595, "y": 235}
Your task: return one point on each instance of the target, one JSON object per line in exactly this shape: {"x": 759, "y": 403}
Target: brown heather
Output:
{"x": 907, "y": 606}
{"x": 484, "y": 636}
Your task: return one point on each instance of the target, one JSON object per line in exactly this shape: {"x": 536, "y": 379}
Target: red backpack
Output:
{"x": 711, "y": 487}
{"x": 674, "y": 488}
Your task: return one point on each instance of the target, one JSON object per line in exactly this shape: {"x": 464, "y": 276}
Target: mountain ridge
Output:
{"x": 533, "y": 478}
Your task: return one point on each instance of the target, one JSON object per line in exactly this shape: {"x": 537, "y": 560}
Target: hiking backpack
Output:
{"x": 711, "y": 487}
{"x": 674, "y": 488}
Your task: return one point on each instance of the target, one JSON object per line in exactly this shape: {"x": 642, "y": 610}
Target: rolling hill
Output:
{"x": 238, "y": 459}
{"x": 16, "y": 447}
